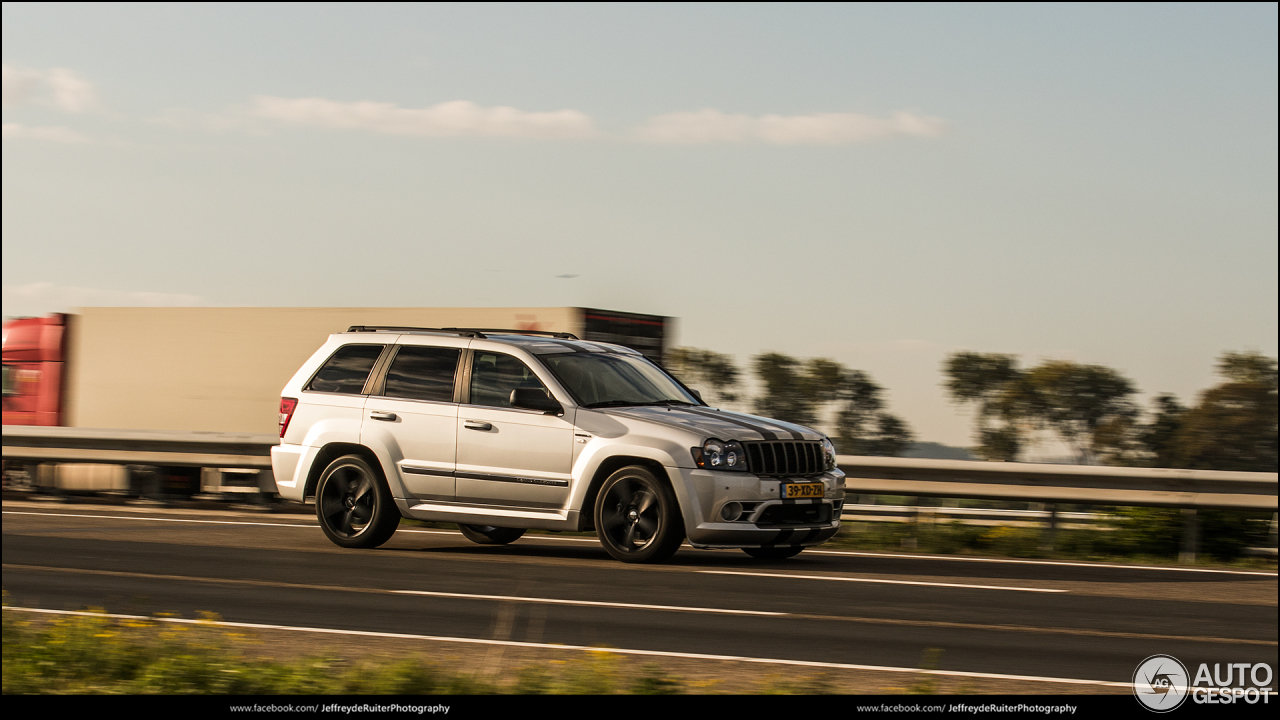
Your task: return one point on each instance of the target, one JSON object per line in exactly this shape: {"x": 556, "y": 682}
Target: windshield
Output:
{"x": 614, "y": 380}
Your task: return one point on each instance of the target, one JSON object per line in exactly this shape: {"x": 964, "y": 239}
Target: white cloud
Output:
{"x": 58, "y": 87}
{"x": 50, "y": 133}
{"x": 449, "y": 119}
{"x": 42, "y": 298}
{"x": 72, "y": 92}
{"x": 19, "y": 85}
{"x": 713, "y": 126}
{"x": 461, "y": 118}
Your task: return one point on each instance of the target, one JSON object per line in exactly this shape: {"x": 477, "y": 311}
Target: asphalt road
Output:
{"x": 825, "y": 608}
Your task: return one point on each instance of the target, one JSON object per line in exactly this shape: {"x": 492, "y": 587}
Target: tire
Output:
{"x": 490, "y": 535}
{"x": 637, "y": 517}
{"x": 774, "y": 553}
{"x": 354, "y": 506}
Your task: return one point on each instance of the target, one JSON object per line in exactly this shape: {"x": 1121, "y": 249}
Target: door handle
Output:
{"x": 476, "y": 425}
{"x": 379, "y": 415}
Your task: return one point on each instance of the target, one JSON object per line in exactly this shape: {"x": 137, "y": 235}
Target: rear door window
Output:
{"x": 346, "y": 370}
{"x": 423, "y": 373}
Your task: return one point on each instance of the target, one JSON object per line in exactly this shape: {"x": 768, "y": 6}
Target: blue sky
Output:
{"x": 881, "y": 185}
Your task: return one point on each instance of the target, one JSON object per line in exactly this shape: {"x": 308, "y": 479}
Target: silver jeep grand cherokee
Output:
{"x": 501, "y": 431}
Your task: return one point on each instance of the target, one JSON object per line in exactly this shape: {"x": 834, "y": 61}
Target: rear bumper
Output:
{"x": 284, "y": 465}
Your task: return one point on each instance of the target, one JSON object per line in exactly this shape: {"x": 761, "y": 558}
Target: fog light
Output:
{"x": 731, "y": 511}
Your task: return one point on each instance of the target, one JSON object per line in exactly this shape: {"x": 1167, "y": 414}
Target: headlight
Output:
{"x": 721, "y": 455}
{"x": 829, "y": 454}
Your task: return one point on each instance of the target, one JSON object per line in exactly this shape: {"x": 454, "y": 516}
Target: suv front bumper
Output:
{"x": 766, "y": 519}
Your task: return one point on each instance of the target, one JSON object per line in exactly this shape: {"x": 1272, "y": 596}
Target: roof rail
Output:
{"x": 398, "y": 328}
{"x": 503, "y": 331}
{"x": 478, "y": 333}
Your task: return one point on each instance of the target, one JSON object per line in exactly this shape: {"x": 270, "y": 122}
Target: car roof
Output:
{"x": 535, "y": 344}
{"x": 547, "y": 346}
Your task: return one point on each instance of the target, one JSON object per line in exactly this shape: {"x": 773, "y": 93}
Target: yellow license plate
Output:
{"x": 802, "y": 490}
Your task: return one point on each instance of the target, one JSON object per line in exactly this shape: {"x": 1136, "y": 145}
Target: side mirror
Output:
{"x": 698, "y": 395}
{"x": 535, "y": 399}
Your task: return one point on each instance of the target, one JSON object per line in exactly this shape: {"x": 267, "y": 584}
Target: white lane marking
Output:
{"x": 557, "y": 646}
{"x": 151, "y": 519}
{"x": 428, "y": 593}
{"x": 962, "y": 558}
{"x": 885, "y": 582}
{"x": 959, "y": 558}
{"x": 265, "y": 524}
{"x": 556, "y": 601}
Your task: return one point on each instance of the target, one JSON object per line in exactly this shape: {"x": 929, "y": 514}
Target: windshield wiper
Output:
{"x": 629, "y": 403}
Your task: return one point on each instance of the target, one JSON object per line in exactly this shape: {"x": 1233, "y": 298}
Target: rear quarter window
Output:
{"x": 346, "y": 370}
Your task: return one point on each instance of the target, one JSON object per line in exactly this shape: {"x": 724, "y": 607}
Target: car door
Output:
{"x": 508, "y": 456}
{"x": 411, "y": 412}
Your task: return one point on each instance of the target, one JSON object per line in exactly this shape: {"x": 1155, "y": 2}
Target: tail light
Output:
{"x": 287, "y": 406}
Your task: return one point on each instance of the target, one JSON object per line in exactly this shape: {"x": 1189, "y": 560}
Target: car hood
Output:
{"x": 720, "y": 424}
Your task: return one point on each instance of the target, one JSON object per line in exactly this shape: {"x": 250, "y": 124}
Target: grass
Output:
{"x": 1140, "y": 535}
{"x": 1018, "y": 542}
{"x": 927, "y": 684}
{"x": 100, "y": 655}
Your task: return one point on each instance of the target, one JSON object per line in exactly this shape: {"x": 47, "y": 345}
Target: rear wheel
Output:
{"x": 773, "y": 553}
{"x": 637, "y": 517}
{"x": 354, "y": 506}
{"x": 490, "y": 535}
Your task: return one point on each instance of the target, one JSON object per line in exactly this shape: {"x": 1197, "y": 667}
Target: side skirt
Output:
{"x": 490, "y": 515}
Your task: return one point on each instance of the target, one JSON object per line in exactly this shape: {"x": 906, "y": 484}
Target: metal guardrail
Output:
{"x": 138, "y": 447}
{"x": 930, "y": 515}
{"x": 1076, "y": 484}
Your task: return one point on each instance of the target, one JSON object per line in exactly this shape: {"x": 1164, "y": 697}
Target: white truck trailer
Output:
{"x": 219, "y": 369}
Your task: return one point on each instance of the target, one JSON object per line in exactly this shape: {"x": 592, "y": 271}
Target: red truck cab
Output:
{"x": 34, "y": 355}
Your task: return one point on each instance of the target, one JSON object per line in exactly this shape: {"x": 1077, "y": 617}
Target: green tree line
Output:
{"x": 817, "y": 392}
{"x": 1092, "y": 409}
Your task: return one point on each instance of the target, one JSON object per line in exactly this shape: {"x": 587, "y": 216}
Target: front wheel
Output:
{"x": 637, "y": 517}
{"x": 490, "y": 535}
{"x": 773, "y": 553}
{"x": 354, "y": 506}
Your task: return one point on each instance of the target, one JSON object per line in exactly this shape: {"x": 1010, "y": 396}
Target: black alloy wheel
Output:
{"x": 637, "y": 517}
{"x": 774, "y": 553}
{"x": 353, "y": 504}
{"x": 490, "y": 535}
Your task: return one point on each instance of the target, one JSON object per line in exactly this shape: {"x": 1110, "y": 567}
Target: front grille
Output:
{"x": 786, "y": 458}
{"x": 795, "y": 514}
